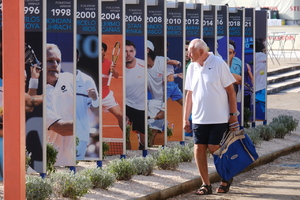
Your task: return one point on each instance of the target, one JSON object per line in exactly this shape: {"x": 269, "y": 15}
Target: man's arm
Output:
{"x": 34, "y": 80}
{"x": 250, "y": 72}
{"x": 187, "y": 112}
{"x": 95, "y": 100}
{"x": 174, "y": 62}
{"x": 115, "y": 73}
{"x": 232, "y": 103}
{"x": 64, "y": 128}
{"x": 238, "y": 79}
{"x": 32, "y": 101}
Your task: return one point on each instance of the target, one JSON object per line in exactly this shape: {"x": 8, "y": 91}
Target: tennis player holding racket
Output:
{"x": 109, "y": 103}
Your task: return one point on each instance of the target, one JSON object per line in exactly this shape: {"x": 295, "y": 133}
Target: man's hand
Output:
{"x": 92, "y": 94}
{"x": 180, "y": 75}
{"x": 187, "y": 126}
{"x": 35, "y": 72}
{"x": 234, "y": 123}
{"x": 160, "y": 115}
{"x": 112, "y": 67}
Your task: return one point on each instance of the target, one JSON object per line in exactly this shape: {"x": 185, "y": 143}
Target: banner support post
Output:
{"x": 14, "y": 99}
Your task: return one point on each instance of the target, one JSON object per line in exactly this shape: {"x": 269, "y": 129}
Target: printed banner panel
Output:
{"x": 87, "y": 81}
{"x": 236, "y": 53}
{"x": 260, "y": 66}
{"x": 175, "y": 54}
{"x": 35, "y": 142}
{"x": 222, "y": 32}
{"x": 194, "y": 29}
{"x": 60, "y": 81}
{"x": 112, "y": 17}
{"x": 136, "y": 73}
{"x": 249, "y": 96}
{"x": 156, "y": 64}
{"x": 210, "y": 27}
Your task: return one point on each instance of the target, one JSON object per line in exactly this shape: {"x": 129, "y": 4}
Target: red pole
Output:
{"x": 14, "y": 99}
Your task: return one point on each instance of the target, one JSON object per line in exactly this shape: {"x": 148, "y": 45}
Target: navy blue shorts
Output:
{"x": 136, "y": 118}
{"x": 209, "y": 133}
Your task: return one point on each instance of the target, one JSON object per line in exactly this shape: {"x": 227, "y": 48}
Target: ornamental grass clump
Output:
{"x": 167, "y": 158}
{"x": 186, "y": 152}
{"x": 144, "y": 165}
{"x": 254, "y": 135}
{"x": 123, "y": 169}
{"x": 71, "y": 185}
{"x": 284, "y": 124}
{"x": 266, "y": 132}
{"x": 99, "y": 177}
{"x": 37, "y": 188}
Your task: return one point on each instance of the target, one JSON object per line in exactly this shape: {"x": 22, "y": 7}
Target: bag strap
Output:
{"x": 246, "y": 149}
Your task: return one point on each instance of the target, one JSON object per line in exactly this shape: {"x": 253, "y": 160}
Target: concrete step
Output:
{"x": 291, "y": 90}
{"x": 283, "y": 76}
{"x": 284, "y": 85}
{"x": 284, "y": 70}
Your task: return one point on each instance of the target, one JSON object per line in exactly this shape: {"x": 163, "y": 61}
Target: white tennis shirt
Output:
{"x": 135, "y": 85}
{"x": 209, "y": 97}
{"x": 60, "y": 105}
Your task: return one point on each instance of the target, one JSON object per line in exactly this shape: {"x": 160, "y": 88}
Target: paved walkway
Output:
{"x": 276, "y": 180}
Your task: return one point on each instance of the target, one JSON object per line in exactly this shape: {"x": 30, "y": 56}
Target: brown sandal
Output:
{"x": 205, "y": 189}
{"x": 225, "y": 188}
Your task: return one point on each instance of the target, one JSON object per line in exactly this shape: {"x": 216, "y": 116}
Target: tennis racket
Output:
{"x": 249, "y": 87}
{"x": 30, "y": 57}
{"x": 114, "y": 58}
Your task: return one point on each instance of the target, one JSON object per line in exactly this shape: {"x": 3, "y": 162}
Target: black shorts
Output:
{"x": 209, "y": 133}
{"x": 136, "y": 118}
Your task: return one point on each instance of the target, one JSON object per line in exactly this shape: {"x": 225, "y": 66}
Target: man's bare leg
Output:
{"x": 116, "y": 111}
{"x": 201, "y": 162}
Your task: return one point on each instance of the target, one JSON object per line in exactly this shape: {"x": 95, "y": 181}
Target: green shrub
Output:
{"x": 186, "y": 152}
{"x": 105, "y": 149}
{"x": 284, "y": 124}
{"x": 27, "y": 159}
{"x": 144, "y": 165}
{"x": 51, "y": 158}
{"x": 266, "y": 132}
{"x": 170, "y": 130}
{"x": 37, "y": 188}
{"x": 254, "y": 135}
{"x": 123, "y": 169}
{"x": 280, "y": 130}
{"x": 99, "y": 177}
{"x": 71, "y": 185}
{"x": 247, "y": 117}
{"x": 167, "y": 158}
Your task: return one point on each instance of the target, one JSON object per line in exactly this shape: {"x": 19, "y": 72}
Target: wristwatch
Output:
{"x": 234, "y": 114}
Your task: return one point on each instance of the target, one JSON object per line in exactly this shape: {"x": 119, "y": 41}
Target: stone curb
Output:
{"x": 195, "y": 183}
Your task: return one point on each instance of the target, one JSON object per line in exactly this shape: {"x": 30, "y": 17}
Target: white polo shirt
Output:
{"x": 135, "y": 85}
{"x": 156, "y": 78}
{"x": 60, "y": 105}
{"x": 83, "y": 103}
{"x": 209, "y": 97}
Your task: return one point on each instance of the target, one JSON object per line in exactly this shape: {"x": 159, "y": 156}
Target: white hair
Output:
{"x": 199, "y": 44}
